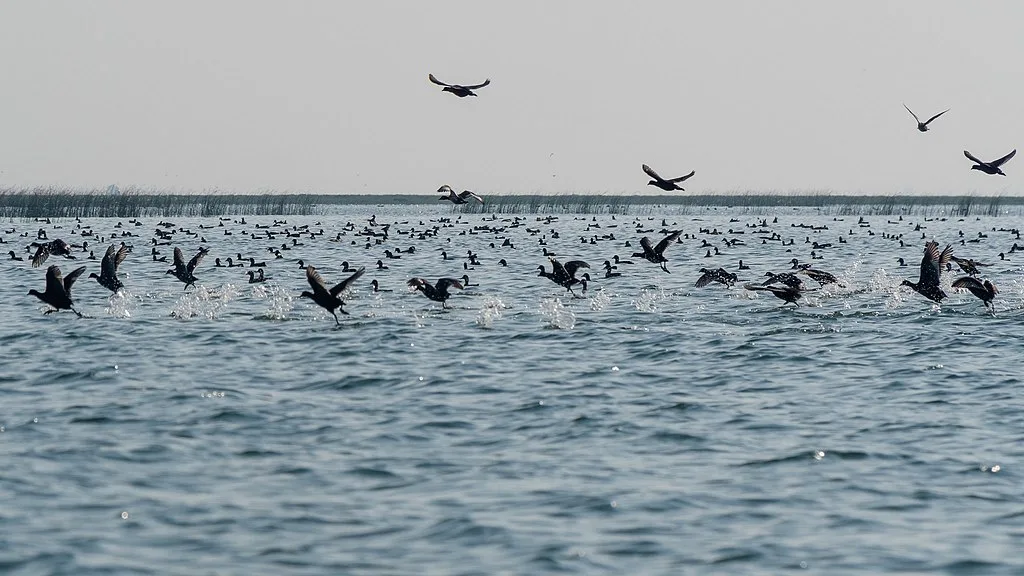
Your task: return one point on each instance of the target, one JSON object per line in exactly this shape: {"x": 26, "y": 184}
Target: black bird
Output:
{"x": 788, "y": 293}
{"x": 460, "y": 198}
{"x": 923, "y": 126}
{"x": 721, "y": 275}
{"x": 655, "y": 254}
{"x": 15, "y": 256}
{"x": 184, "y": 272}
{"x": 58, "y": 290}
{"x": 666, "y": 185}
{"x": 328, "y": 299}
{"x": 820, "y": 276}
{"x": 968, "y": 265}
{"x": 982, "y": 289}
{"x": 465, "y": 281}
{"x": 457, "y": 89}
{"x": 565, "y": 274}
{"x": 376, "y": 286}
{"x": 989, "y": 167}
{"x": 787, "y": 278}
{"x": 437, "y": 292}
{"x": 931, "y": 266}
{"x": 108, "y": 268}
{"x": 56, "y": 247}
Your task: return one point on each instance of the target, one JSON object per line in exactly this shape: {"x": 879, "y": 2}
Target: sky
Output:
{"x": 333, "y": 97}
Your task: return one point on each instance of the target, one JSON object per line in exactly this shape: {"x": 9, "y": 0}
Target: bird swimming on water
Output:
{"x": 58, "y": 289}
{"x": 108, "y": 268}
{"x": 923, "y": 126}
{"x": 931, "y": 267}
{"x": 460, "y": 198}
{"x": 458, "y": 89}
{"x": 667, "y": 185}
{"x": 437, "y": 292}
{"x": 656, "y": 254}
{"x": 992, "y": 167}
{"x": 328, "y": 299}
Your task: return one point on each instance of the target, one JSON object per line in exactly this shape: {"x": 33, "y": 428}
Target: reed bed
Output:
{"x": 133, "y": 203}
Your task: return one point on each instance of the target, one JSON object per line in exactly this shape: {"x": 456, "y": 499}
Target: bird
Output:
{"x": 788, "y": 293}
{"x": 328, "y": 299}
{"x": 923, "y": 126}
{"x": 465, "y": 281}
{"x": 656, "y": 254}
{"x": 58, "y": 290}
{"x": 989, "y": 167}
{"x": 931, "y": 266}
{"x": 820, "y": 276}
{"x": 721, "y": 275}
{"x": 56, "y": 247}
{"x": 666, "y": 185}
{"x": 984, "y": 290}
{"x": 968, "y": 265}
{"x": 458, "y": 89}
{"x": 184, "y": 272}
{"x": 15, "y": 256}
{"x": 108, "y": 268}
{"x": 437, "y": 292}
{"x": 565, "y": 274}
{"x": 376, "y": 286}
{"x": 460, "y": 198}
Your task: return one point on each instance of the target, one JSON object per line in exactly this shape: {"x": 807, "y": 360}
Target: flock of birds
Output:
{"x": 787, "y": 286}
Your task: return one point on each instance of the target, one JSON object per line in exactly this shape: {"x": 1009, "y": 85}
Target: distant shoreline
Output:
{"x": 58, "y": 203}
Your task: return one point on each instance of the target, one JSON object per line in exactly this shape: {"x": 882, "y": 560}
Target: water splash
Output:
{"x": 490, "y": 312}
{"x": 556, "y": 314}
{"x": 648, "y": 299}
{"x": 600, "y": 300}
{"x": 279, "y": 301}
{"x": 121, "y": 304}
{"x": 204, "y": 303}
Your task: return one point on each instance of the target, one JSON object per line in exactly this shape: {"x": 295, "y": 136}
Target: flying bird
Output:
{"x": 56, "y": 247}
{"x": 984, "y": 290}
{"x": 931, "y": 266}
{"x": 989, "y": 167}
{"x": 565, "y": 274}
{"x": 721, "y": 275}
{"x": 460, "y": 198}
{"x": 437, "y": 292}
{"x": 923, "y": 126}
{"x": 58, "y": 290}
{"x": 666, "y": 185}
{"x": 458, "y": 89}
{"x": 785, "y": 292}
{"x": 184, "y": 272}
{"x": 328, "y": 299}
{"x": 656, "y": 254}
{"x": 108, "y": 268}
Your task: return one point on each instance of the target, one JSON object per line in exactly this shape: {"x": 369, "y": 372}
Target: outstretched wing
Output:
{"x": 54, "y": 281}
{"x": 968, "y": 283}
{"x": 704, "y": 280}
{"x": 683, "y": 178}
{"x": 651, "y": 173}
{"x": 558, "y": 270}
{"x": 195, "y": 260}
{"x": 42, "y": 253}
{"x": 316, "y": 281}
{"x": 344, "y": 284}
{"x": 936, "y": 116}
{"x": 179, "y": 260}
{"x": 107, "y": 267}
{"x": 660, "y": 248}
{"x": 1001, "y": 161}
{"x": 122, "y": 253}
{"x": 931, "y": 264}
{"x": 436, "y": 81}
{"x": 444, "y": 283}
{"x": 972, "y": 158}
{"x": 468, "y": 194}
{"x": 914, "y": 115}
{"x": 573, "y": 265}
{"x": 69, "y": 280}
{"x": 481, "y": 85}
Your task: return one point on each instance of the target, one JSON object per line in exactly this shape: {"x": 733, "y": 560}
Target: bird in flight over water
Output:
{"x": 989, "y": 167}
{"x": 458, "y": 89}
{"x": 460, "y": 198}
{"x": 666, "y": 185}
{"x": 923, "y": 126}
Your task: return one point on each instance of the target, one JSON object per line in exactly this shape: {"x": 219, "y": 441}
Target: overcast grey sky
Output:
{"x": 333, "y": 96}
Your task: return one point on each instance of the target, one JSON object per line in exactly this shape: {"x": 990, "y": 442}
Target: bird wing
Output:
{"x": 645, "y": 242}
{"x": 316, "y": 281}
{"x": 660, "y": 248}
{"x": 445, "y": 189}
{"x": 481, "y": 85}
{"x": 936, "y": 116}
{"x": 195, "y": 260}
{"x": 468, "y": 194}
{"x": 682, "y": 178}
{"x": 930, "y": 265}
{"x": 972, "y": 158}
{"x": 42, "y": 253}
{"x": 69, "y": 280}
{"x": 54, "y": 281}
{"x": 945, "y": 257}
{"x": 122, "y": 253}
{"x": 443, "y": 284}
{"x": 558, "y": 270}
{"x": 704, "y": 280}
{"x": 107, "y": 264}
{"x": 912, "y": 113}
{"x": 969, "y": 283}
{"x": 179, "y": 260}
{"x": 344, "y": 284}
{"x": 652, "y": 173}
{"x": 417, "y": 283}
{"x": 436, "y": 81}
{"x": 1001, "y": 161}
{"x": 573, "y": 265}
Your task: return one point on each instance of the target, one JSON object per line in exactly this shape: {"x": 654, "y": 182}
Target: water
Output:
{"x": 647, "y": 428}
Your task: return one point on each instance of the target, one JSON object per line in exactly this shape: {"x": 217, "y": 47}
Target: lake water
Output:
{"x": 650, "y": 427}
